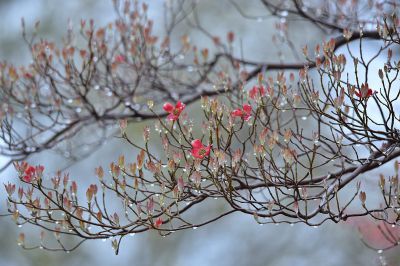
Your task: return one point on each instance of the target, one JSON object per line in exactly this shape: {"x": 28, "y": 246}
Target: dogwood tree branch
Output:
{"x": 284, "y": 142}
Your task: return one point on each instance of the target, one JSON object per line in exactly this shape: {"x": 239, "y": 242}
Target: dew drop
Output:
{"x": 284, "y": 13}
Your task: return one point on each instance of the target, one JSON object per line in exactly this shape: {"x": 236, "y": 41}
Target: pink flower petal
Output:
{"x": 253, "y": 92}
{"x": 196, "y": 153}
{"x": 247, "y": 108}
{"x": 168, "y": 107}
{"x": 196, "y": 144}
{"x": 180, "y": 106}
{"x": 262, "y": 90}
{"x": 237, "y": 113}
{"x": 172, "y": 117}
{"x": 246, "y": 117}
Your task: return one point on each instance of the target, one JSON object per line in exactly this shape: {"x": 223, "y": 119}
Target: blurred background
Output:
{"x": 235, "y": 240}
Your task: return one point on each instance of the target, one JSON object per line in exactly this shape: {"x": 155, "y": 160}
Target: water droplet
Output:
{"x": 284, "y": 13}
{"x": 195, "y": 227}
{"x": 380, "y": 251}
{"x": 20, "y": 225}
{"x": 132, "y": 234}
{"x": 304, "y": 118}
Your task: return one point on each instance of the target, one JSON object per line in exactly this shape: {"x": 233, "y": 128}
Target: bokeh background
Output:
{"x": 235, "y": 240}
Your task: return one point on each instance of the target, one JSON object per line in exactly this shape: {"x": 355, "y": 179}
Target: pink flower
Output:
{"x": 174, "y": 111}
{"x": 257, "y": 91}
{"x": 29, "y": 173}
{"x": 200, "y": 151}
{"x": 364, "y": 92}
{"x": 244, "y": 113}
{"x": 158, "y": 222}
{"x": 119, "y": 59}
